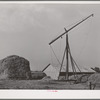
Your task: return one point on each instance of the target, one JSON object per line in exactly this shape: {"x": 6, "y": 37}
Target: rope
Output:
{"x": 72, "y": 66}
{"x": 72, "y": 58}
{"x": 55, "y": 55}
{"x": 51, "y": 56}
{"x": 60, "y": 47}
{"x": 72, "y": 63}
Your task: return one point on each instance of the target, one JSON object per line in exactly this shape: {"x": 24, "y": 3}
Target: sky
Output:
{"x": 26, "y": 30}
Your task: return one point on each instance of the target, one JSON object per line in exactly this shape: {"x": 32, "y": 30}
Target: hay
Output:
{"x": 38, "y": 74}
{"x": 80, "y": 78}
{"x": 94, "y": 78}
{"x": 14, "y": 67}
{"x": 47, "y": 78}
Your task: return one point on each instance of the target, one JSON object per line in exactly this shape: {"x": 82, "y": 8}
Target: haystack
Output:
{"x": 37, "y": 74}
{"x": 94, "y": 78}
{"x": 14, "y": 67}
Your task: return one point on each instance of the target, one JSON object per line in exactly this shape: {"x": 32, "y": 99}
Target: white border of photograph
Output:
{"x": 50, "y": 94}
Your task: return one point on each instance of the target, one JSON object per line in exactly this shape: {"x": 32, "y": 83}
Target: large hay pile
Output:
{"x": 14, "y": 67}
{"x": 37, "y": 74}
{"x": 94, "y": 78}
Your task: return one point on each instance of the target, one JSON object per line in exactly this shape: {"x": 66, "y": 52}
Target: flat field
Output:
{"x": 41, "y": 84}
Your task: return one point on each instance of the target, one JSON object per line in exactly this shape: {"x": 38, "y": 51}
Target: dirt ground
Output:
{"x": 41, "y": 84}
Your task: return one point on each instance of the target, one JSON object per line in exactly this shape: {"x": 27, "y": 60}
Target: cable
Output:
{"x": 72, "y": 58}
{"x": 51, "y": 56}
{"x": 55, "y": 55}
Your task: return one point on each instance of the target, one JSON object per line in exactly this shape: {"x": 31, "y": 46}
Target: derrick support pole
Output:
{"x": 67, "y": 62}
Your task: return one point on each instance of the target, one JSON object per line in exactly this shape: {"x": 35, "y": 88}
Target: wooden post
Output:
{"x": 62, "y": 63}
{"x": 90, "y": 86}
{"x": 46, "y": 67}
{"x": 67, "y": 64}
